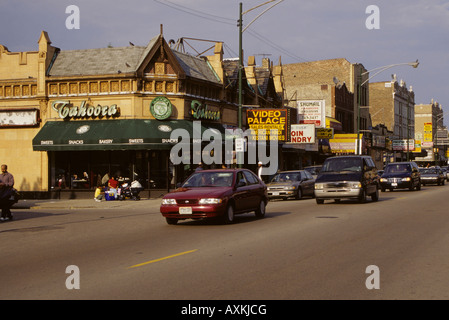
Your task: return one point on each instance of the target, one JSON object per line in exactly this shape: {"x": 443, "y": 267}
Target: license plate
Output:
{"x": 185, "y": 210}
{"x": 394, "y": 184}
{"x": 275, "y": 193}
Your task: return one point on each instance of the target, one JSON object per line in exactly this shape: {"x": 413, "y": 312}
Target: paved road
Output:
{"x": 301, "y": 250}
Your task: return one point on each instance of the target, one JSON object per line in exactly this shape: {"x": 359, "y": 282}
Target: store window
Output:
{"x": 89, "y": 169}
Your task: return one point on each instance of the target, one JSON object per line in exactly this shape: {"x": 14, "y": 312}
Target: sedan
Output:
{"x": 432, "y": 176}
{"x": 287, "y": 184}
{"x": 216, "y": 194}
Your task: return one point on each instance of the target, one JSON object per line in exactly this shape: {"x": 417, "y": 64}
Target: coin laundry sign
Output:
{"x": 302, "y": 133}
{"x": 66, "y": 109}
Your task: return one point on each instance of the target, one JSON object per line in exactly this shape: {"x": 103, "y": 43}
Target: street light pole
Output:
{"x": 359, "y": 89}
{"x": 240, "y": 24}
{"x": 240, "y": 71}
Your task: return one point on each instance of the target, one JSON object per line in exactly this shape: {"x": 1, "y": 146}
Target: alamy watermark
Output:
{"x": 212, "y": 153}
{"x": 373, "y": 20}
{"x": 73, "y": 280}
{"x": 73, "y": 20}
{"x": 373, "y": 280}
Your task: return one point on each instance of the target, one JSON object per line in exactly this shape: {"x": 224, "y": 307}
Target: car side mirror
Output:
{"x": 240, "y": 184}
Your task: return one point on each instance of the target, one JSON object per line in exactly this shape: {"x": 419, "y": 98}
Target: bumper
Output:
{"x": 396, "y": 185}
{"x": 280, "y": 194}
{"x": 338, "y": 193}
{"x": 198, "y": 211}
{"x": 430, "y": 180}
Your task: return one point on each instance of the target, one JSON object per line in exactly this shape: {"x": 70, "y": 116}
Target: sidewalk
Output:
{"x": 83, "y": 204}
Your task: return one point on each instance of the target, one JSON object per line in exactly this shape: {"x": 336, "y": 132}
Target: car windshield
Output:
{"x": 313, "y": 170}
{"x": 342, "y": 164}
{"x": 429, "y": 171}
{"x": 397, "y": 168}
{"x": 209, "y": 179}
{"x": 286, "y": 176}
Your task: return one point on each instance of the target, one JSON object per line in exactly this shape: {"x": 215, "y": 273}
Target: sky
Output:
{"x": 292, "y": 30}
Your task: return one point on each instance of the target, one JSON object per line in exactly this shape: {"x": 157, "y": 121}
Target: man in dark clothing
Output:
{"x": 6, "y": 191}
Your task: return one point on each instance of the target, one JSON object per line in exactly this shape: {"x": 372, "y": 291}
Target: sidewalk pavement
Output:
{"x": 84, "y": 203}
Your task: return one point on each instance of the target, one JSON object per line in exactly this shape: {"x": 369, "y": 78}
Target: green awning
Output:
{"x": 128, "y": 134}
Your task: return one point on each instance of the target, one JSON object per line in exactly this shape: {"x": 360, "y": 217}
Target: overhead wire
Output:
{"x": 229, "y": 21}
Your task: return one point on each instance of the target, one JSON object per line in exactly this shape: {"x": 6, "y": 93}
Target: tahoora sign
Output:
{"x": 312, "y": 112}
{"x": 302, "y": 133}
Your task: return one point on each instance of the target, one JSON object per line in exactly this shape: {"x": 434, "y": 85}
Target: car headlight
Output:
{"x": 406, "y": 179}
{"x": 210, "y": 201}
{"x": 319, "y": 186}
{"x": 383, "y": 180}
{"x": 290, "y": 188}
{"x": 356, "y": 185}
{"x": 168, "y": 201}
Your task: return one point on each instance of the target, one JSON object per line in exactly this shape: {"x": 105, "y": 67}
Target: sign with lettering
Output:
{"x": 302, "y": 133}
{"x": 65, "y": 109}
{"x": 401, "y": 145}
{"x": 312, "y": 112}
{"x": 325, "y": 133}
{"x": 268, "y": 119}
{"x": 19, "y": 118}
{"x": 200, "y": 111}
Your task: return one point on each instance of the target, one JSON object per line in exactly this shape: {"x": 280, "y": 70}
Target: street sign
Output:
{"x": 325, "y": 133}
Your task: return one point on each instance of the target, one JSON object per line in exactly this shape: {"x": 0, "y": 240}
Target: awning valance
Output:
{"x": 333, "y": 123}
{"x": 127, "y": 134}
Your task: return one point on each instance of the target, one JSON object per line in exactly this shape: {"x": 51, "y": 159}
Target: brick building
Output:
{"x": 335, "y": 81}
{"x": 428, "y": 123}
{"x": 393, "y": 105}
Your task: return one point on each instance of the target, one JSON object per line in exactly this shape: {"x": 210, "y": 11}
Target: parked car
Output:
{"x": 288, "y": 184}
{"x": 347, "y": 177}
{"x": 401, "y": 175}
{"x": 216, "y": 193}
{"x": 313, "y": 170}
{"x": 445, "y": 172}
{"x": 432, "y": 175}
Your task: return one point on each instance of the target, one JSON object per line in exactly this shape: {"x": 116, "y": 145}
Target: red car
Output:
{"x": 216, "y": 193}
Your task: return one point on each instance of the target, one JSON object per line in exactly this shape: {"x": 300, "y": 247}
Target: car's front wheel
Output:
{"x": 375, "y": 196}
{"x": 260, "y": 212}
{"x": 171, "y": 220}
{"x": 228, "y": 217}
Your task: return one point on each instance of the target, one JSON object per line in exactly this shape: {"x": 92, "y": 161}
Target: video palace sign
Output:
{"x": 66, "y": 109}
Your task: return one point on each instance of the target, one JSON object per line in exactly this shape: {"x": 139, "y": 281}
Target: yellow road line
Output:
{"x": 160, "y": 259}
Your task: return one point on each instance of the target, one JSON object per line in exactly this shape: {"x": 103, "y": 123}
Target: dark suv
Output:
{"x": 347, "y": 177}
{"x": 401, "y": 175}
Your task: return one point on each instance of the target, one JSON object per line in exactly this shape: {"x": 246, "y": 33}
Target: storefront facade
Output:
{"x": 68, "y": 118}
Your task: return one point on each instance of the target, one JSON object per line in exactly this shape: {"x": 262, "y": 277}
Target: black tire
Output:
{"x": 171, "y": 221}
{"x": 319, "y": 201}
{"x": 362, "y": 196}
{"x": 298, "y": 195}
{"x": 228, "y": 217}
{"x": 375, "y": 196}
{"x": 260, "y": 212}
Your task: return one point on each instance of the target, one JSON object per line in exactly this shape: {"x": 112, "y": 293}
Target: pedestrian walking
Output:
{"x": 6, "y": 191}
